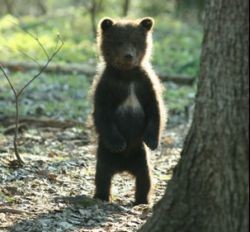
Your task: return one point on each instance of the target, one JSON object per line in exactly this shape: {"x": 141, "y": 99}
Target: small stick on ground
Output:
{"x": 12, "y": 211}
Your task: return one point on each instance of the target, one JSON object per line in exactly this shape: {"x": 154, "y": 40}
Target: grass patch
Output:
{"x": 60, "y": 96}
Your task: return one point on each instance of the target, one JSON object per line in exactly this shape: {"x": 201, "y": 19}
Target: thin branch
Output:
{"x": 7, "y": 78}
{"x": 58, "y": 40}
{"x": 38, "y": 41}
{"x": 16, "y": 132}
{"x": 12, "y": 211}
{"x": 17, "y": 94}
{"x": 30, "y": 57}
{"x": 35, "y": 38}
{"x": 42, "y": 69}
{"x": 42, "y": 47}
{"x": 17, "y": 117}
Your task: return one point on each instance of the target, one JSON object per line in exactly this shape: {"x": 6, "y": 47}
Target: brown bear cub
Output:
{"x": 128, "y": 107}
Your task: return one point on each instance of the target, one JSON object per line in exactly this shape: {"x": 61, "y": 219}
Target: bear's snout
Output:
{"x": 129, "y": 54}
{"x": 128, "y": 57}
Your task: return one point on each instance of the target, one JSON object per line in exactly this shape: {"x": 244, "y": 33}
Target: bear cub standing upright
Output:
{"x": 128, "y": 108}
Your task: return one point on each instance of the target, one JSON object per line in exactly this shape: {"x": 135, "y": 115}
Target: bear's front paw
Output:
{"x": 151, "y": 142}
{"x": 116, "y": 144}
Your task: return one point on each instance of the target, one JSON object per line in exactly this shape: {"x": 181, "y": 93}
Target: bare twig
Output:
{"x": 50, "y": 58}
{"x": 17, "y": 116}
{"x": 16, "y": 131}
{"x": 24, "y": 122}
{"x": 17, "y": 94}
{"x": 12, "y": 211}
{"x": 30, "y": 57}
{"x": 10, "y": 84}
{"x": 38, "y": 41}
{"x": 35, "y": 38}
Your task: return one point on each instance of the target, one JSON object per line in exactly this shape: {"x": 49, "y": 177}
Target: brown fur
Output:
{"x": 128, "y": 108}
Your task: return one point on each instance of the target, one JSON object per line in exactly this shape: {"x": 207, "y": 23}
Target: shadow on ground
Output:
{"x": 80, "y": 213}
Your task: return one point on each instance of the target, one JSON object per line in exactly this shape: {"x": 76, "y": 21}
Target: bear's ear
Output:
{"x": 147, "y": 23}
{"x": 106, "y": 23}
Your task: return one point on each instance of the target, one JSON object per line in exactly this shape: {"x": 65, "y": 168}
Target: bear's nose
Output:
{"x": 128, "y": 57}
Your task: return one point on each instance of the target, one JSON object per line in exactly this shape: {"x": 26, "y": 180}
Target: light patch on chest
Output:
{"x": 131, "y": 102}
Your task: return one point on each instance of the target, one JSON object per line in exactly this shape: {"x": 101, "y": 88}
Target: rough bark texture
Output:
{"x": 209, "y": 189}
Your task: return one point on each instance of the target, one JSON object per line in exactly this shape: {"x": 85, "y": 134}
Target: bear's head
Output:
{"x": 124, "y": 44}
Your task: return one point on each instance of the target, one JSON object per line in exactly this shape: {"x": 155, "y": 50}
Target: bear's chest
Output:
{"x": 130, "y": 116}
{"x": 131, "y": 103}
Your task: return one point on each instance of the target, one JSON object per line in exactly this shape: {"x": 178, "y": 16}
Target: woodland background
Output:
{"x": 56, "y": 138}
{"x": 177, "y": 44}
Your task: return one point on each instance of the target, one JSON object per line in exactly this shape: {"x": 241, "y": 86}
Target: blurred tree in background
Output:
{"x": 177, "y": 41}
{"x": 185, "y": 7}
{"x": 177, "y": 37}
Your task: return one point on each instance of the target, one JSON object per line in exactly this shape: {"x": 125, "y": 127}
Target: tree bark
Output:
{"x": 209, "y": 188}
{"x": 125, "y": 8}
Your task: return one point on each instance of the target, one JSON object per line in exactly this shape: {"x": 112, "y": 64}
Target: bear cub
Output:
{"x": 128, "y": 112}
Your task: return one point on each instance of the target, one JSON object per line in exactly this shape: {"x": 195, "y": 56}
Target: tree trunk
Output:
{"x": 125, "y": 8}
{"x": 92, "y": 12}
{"x": 95, "y": 7}
{"x": 9, "y": 6}
{"x": 42, "y": 7}
{"x": 209, "y": 188}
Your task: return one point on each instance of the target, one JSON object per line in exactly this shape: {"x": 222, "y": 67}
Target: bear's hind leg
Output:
{"x": 102, "y": 182}
{"x": 143, "y": 179}
{"x": 103, "y": 176}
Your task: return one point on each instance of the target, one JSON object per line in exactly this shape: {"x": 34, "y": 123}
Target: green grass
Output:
{"x": 179, "y": 97}
{"x": 176, "y": 51}
{"x": 68, "y": 96}
{"x": 176, "y": 43}
{"x": 61, "y": 96}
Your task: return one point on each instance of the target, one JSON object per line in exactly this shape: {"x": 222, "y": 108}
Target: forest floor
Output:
{"x": 53, "y": 191}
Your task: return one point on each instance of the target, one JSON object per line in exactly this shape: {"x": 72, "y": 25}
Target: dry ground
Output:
{"x": 53, "y": 191}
